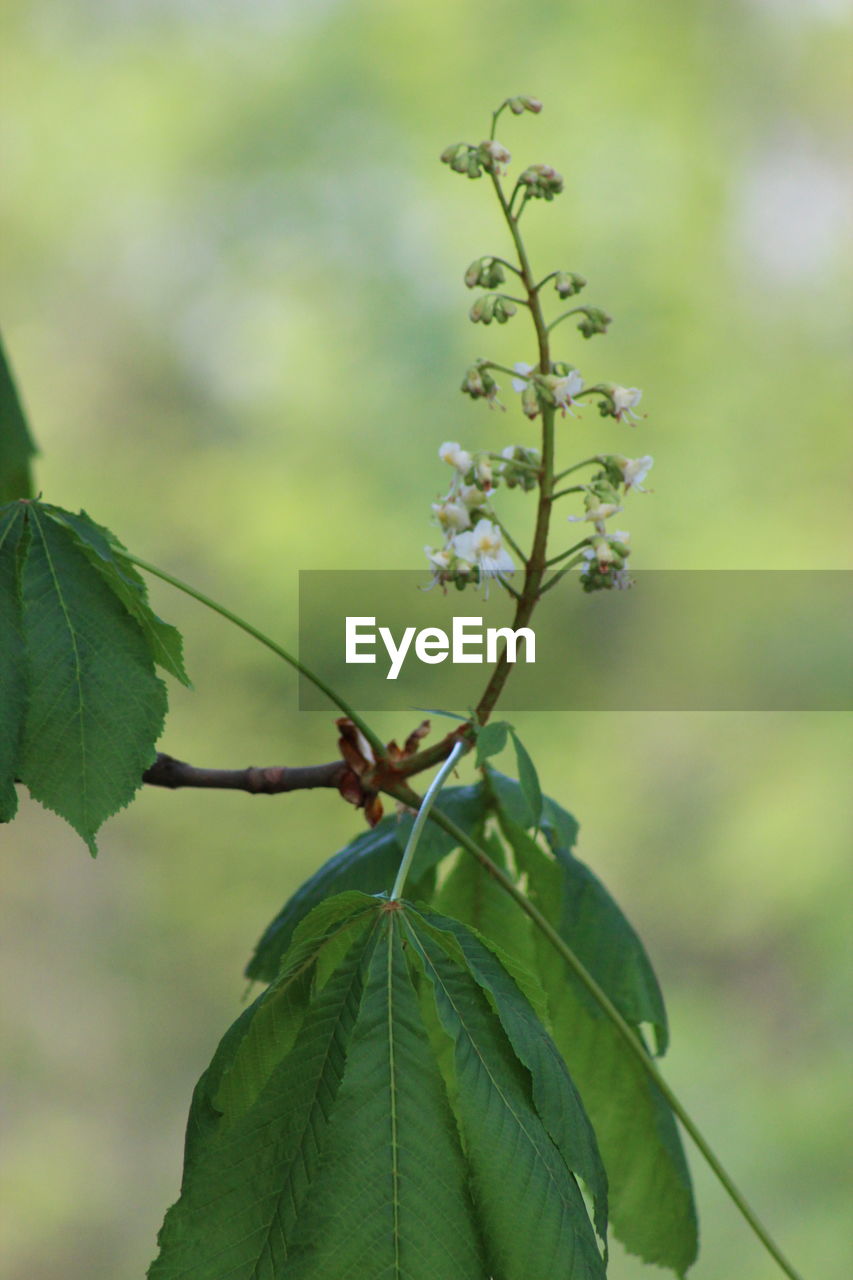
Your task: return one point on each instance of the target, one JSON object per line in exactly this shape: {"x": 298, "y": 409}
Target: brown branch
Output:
{"x": 272, "y": 780}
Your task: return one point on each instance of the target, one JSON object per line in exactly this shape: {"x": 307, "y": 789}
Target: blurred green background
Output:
{"x": 232, "y": 294}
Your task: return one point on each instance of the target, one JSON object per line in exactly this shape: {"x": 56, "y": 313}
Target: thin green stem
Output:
{"x": 375, "y": 742}
{"x": 421, "y": 818}
{"x": 574, "y": 488}
{"x": 574, "y": 311}
{"x": 506, "y": 264}
{"x": 552, "y": 582}
{"x": 496, "y": 115}
{"x": 629, "y": 1036}
{"x": 587, "y": 462}
{"x": 569, "y": 551}
{"x": 544, "y": 280}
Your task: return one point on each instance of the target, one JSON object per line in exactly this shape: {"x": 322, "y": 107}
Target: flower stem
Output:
{"x": 569, "y": 550}
{"x": 375, "y": 742}
{"x": 535, "y": 564}
{"x": 421, "y": 817}
{"x": 587, "y": 462}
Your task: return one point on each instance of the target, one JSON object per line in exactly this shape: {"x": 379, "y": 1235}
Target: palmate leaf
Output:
{"x": 651, "y": 1198}
{"x": 82, "y": 702}
{"x": 333, "y": 1138}
{"x": 368, "y": 863}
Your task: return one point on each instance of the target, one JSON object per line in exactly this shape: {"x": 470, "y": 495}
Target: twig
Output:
{"x": 267, "y": 781}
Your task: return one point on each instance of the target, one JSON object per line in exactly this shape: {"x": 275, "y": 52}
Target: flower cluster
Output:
{"x": 473, "y": 549}
{"x": 489, "y": 155}
{"x": 605, "y": 554}
{"x": 479, "y": 384}
{"x": 541, "y": 182}
{"x": 474, "y": 539}
{"x": 492, "y": 306}
{"x": 485, "y": 273}
{"x": 559, "y": 388}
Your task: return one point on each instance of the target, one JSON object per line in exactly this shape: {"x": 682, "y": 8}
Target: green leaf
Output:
{"x": 95, "y": 707}
{"x": 368, "y": 863}
{"x": 651, "y": 1199}
{"x": 391, "y": 1198}
{"x": 104, "y": 551}
{"x": 528, "y": 780}
{"x": 469, "y": 894}
{"x": 13, "y": 700}
{"x": 326, "y": 1141}
{"x": 248, "y": 1170}
{"x": 527, "y": 1200}
{"x": 16, "y": 444}
{"x": 554, "y": 1094}
{"x": 491, "y": 740}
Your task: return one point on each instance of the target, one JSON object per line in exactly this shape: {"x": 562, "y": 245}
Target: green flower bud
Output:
{"x": 485, "y": 273}
{"x": 516, "y": 106}
{"x": 594, "y": 321}
{"x": 472, "y": 275}
{"x": 504, "y": 309}
{"x": 568, "y": 283}
{"x": 493, "y": 274}
{"x": 530, "y": 104}
{"x": 530, "y": 400}
{"x": 483, "y": 310}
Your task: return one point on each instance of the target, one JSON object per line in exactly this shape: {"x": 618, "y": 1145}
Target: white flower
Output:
{"x": 518, "y": 384}
{"x": 452, "y": 516}
{"x": 483, "y": 546}
{"x": 635, "y": 470}
{"x": 456, "y": 456}
{"x": 565, "y": 389}
{"x": 439, "y": 559}
{"x": 625, "y": 401}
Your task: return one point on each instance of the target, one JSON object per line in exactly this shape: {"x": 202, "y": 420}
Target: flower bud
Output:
{"x": 483, "y": 473}
{"x": 542, "y": 181}
{"x": 486, "y": 309}
{"x": 594, "y": 321}
{"x": 472, "y": 384}
{"x": 472, "y": 275}
{"x": 568, "y": 283}
{"x": 516, "y": 106}
{"x": 492, "y": 154}
{"x": 530, "y": 400}
{"x": 504, "y": 309}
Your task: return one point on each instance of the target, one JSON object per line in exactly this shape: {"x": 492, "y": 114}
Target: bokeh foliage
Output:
{"x": 233, "y": 304}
